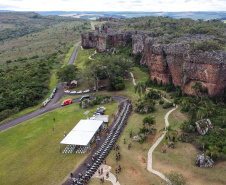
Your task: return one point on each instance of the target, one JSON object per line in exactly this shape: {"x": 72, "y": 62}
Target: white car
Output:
{"x": 79, "y": 92}
{"x": 86, "y": 91}
{"x": 73, "y": 92}
{"x": 67, "y": 91}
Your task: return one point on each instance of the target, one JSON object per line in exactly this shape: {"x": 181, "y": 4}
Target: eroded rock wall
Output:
{"x": 99, "y": 41}
{"x": 174, "y": 63}
{"x": 169, "y": 63}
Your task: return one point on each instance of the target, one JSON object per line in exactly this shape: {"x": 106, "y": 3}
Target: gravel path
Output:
{"x": 134, "y": 83}
{"x": 90, "y": 57}
{"x": 149, "y": 163}
{"x": 106, "y": 169}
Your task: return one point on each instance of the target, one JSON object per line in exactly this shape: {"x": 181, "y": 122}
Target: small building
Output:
{"x": 74, "y": 83}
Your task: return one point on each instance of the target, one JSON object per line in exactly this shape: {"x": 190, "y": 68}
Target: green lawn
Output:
{"x": 134, "y": 161}
{"x": 30, "y": 151}
{"x": 83, "y": 56}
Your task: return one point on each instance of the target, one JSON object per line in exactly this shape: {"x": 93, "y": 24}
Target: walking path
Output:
{"x": 106, "y": 169}
{"x": 149, "y": 163}
{"x": 134, "y": 83}
{"x": 90, "y": 57}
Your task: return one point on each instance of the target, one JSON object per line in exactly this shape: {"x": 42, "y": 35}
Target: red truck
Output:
{"x": 66, "y": 102}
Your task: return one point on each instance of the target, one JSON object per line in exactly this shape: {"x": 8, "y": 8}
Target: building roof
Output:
{"x": 82, "y": 133}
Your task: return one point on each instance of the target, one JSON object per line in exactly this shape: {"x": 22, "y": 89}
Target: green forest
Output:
{"x": 32, "y": 48}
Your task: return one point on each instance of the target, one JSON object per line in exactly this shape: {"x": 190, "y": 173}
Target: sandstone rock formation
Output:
{"x": 170, "y": 61}
{"x": 175, "y": 63}
{"x": 204, "y": 161}
{"x": 203, "y": 126}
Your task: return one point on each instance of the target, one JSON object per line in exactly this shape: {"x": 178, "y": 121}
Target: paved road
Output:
{"x": 74, "y": 54}
{"x": 41, "y": 111}
{"x": 92, "y": 28}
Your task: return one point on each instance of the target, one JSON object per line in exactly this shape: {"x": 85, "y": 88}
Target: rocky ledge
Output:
{"x": 171, "y": 60}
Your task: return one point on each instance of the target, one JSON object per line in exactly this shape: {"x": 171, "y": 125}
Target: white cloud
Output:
{"x": 114, "y": 5}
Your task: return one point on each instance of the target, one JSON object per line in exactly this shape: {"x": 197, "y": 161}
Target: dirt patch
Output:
{"x": 141, "y": 159}
{"x": 76, "y": 109}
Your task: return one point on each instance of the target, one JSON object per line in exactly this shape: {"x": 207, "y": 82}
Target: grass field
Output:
{"x": 35, "y": 154}
{"x": 83, "y": 56}
{"x": 30, "y": 151}
{"x": 182, "y": 159}
{"x": 134, "y": 161}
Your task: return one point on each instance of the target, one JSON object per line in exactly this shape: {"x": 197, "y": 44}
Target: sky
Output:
{"x": 114, "y": 5}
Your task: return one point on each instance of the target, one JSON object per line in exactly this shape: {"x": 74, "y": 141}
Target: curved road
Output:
{"x": 41, "y": 111}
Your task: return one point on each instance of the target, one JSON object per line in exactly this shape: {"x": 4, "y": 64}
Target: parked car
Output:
{"x": 48, "y": 100}
{"x": 79, "y": 92}
{"x": 55, "y": 89}
{"x": 66, "y": 102}
{"x": 52, "y": 96}
{"x": 87, "y": 90}
{"x": 73, "y": 92}
{"x": 45, "y": 102}
{"x": 84, "y": 97}
{"x": 100, "y": 110}
{"x": 101, "y": 87}
{"x": 67, "y": 91}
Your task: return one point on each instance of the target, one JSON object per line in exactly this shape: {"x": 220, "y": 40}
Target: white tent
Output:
{"x": 82, "y": 133}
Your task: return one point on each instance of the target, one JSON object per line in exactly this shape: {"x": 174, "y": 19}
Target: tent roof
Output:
{"x": 82, "y": 133}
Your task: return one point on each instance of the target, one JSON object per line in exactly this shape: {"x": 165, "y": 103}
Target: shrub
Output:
{"x": 167, "y": 105}
{"x": 176, "y": 178}
{"x": 143, "y": 139}
{"x": 161, "y": 101}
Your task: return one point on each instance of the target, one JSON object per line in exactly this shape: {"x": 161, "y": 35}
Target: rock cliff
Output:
{"x": 175, "y": 63}
{"x": 108, "y": 38}
{"x": 169, "y": 63}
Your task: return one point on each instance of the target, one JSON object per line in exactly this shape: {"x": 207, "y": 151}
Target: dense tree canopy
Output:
{"x": 67, "y": 73}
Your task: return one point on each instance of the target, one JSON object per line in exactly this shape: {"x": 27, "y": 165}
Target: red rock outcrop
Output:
{"x": 169, "y": 63}
{"x": 101, "y": 40}
{"x": 174, "y": 63}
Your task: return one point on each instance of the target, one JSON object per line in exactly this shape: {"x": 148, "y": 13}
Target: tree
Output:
{"x": 140, "y": 88}
{"x": 170, "y": 131}
{"x": 67, "y": 73}
{"x": 213, "y": 151}
{"x": 119, "y": 83}
{"x": 95, "y": 72}
{"x": 201, "y": 113}
{"x": 150, "y": 121}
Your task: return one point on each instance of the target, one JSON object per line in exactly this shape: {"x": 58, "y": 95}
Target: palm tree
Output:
{"x": 169, "y": 130}
{"x": 140, "y": 88}
{"x": 150, "y": 121}
{"x": 202, "y": 113}
{"x": 212, "y": 150}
